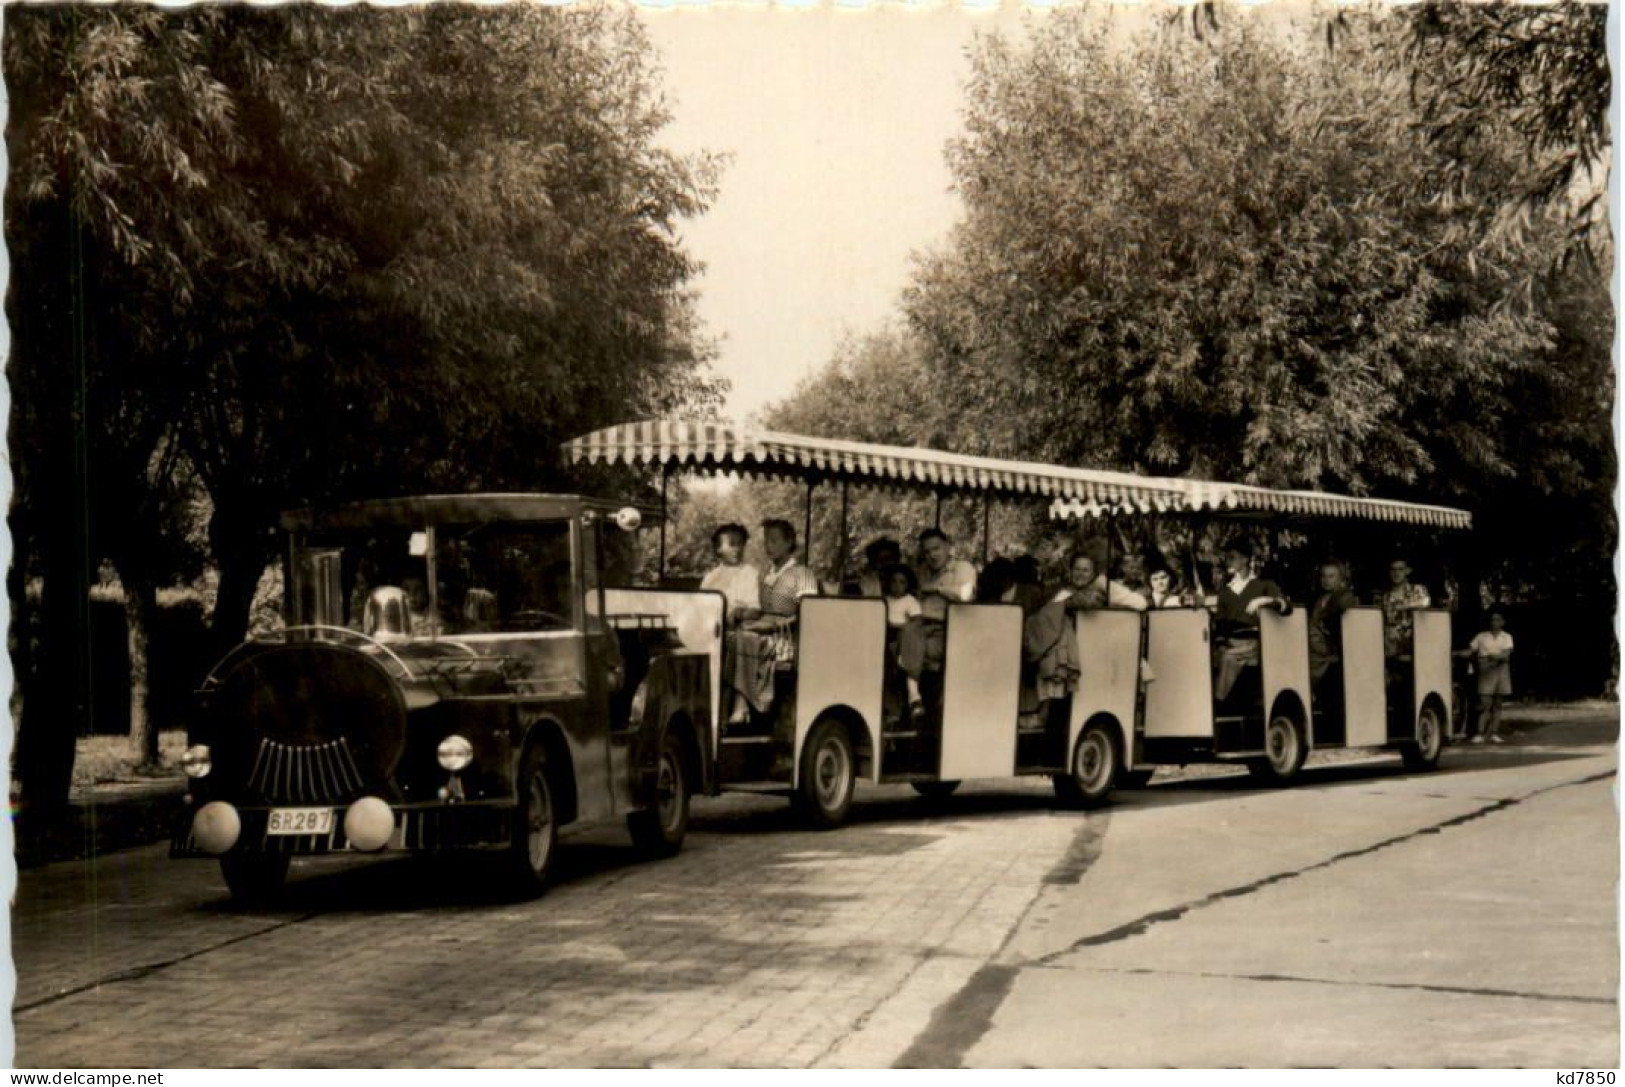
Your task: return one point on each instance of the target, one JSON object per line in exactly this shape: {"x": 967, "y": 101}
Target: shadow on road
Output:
{"x": 884, "y": 821}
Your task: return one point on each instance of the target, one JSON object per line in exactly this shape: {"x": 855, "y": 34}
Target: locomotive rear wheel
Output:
{"x": 659, "y": 831}
{"x": 536, "y": 829}
{"x": 254, "y": 879}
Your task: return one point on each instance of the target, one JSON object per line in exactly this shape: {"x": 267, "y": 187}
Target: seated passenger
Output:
{"x": 1162, "y": 591}
{"x": 417, "y": 598}
{"x": 1087, "y": 589}
{"x": 901, "y": 602}
{"x": 943, "y": 578}
{"x": 901, "y": 606}
{"x": 479, "y": 611}
{"x": 1029, "y": 591}
{"x": 766, "y": 636}
{"x": 737, "y": 580}
{"x": 741, "y": 587}
{"x": 1131, "y": 570}
{"x": 1050, "y": 662}
{"x": 1326, "y": 618}
{"x": 997, "y": 584}
{"x": 1236, "y": 619}
{"x": 877, "y": 556}
{"x": 1398, "y": 603}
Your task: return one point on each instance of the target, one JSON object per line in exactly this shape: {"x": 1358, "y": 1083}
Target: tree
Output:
{"x": 1537, "y": 74}
{"x": 1241, "y": 256}
{"x": 326, "y": 253}
{"x": 1197, "y": 257}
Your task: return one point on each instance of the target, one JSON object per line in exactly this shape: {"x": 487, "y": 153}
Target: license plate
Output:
{"x": 300, "y": 821}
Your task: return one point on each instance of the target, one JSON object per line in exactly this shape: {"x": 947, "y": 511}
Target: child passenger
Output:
{"x": 901, "y": 606}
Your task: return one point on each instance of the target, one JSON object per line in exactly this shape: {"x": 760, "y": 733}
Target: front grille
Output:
{"x": 305, "y": 773}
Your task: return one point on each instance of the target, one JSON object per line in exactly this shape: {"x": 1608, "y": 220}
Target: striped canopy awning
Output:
{"x": 1241, "y": 498}
{"x": 1074, "y": 492}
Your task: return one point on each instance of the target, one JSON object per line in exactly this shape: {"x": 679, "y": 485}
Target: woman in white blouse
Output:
{"x": 733, "y": 577}
{"x": 740, "y": 583}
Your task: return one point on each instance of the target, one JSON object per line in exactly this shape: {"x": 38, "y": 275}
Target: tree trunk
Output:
{"x": 56, "y": 707}
{"x": 140, "y": 610}
{"x": 240, "y": 571}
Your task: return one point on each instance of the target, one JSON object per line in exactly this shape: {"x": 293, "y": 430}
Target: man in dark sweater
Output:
{"x": 1236, "y": 618}
{"x": 1326, "y": 618}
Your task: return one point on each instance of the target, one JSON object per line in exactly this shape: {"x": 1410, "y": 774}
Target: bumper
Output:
{"x": 430, "y": 828}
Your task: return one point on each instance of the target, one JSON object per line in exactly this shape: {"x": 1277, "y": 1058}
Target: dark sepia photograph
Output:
{"x": 685, "y": 535}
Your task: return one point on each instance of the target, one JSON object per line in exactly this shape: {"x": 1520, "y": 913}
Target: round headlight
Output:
{"x": 454, "y": 753}
{"x": 216, "y": 827}
{"x": 369, "y": 824}
{"x": 195, "y": 763}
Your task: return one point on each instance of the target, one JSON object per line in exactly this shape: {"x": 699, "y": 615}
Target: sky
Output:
{"x": 836, "y": 121}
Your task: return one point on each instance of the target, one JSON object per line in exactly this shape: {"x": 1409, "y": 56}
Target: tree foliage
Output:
{"x": 1202, "y": 257}
{"x": 359, "y": 251}
{"x": 1241, "y": 255}
{"x": 1533, "y": 73}
{"x": 305, "y": 253}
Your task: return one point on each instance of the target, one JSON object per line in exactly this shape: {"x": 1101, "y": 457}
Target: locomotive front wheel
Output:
{"x": 1423, "y": 754}
{"x": 659, "y": 831}
{"x": 535, "y": 830}
{"x": 828, "y": 776}
{"x": 254, "y": 879}
{"x": 1094, "y": 769}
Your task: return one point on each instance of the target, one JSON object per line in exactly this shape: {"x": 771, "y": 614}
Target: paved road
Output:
{"x": 1368, "y": 917}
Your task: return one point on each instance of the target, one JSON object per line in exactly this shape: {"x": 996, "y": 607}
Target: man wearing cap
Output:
{"x": 1236, "y": 618}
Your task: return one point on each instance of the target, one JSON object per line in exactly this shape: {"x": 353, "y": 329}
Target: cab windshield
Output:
{"x": 397, "y": 583}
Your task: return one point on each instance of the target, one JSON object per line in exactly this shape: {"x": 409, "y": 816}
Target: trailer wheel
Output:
{"x": 659, "y": 831}
{"x": 535, "y": 826}
{"x": 828, "y": 776}
{"x": 1422, "y": 754}
{"x": 1284, "y": 751}
{"x": 254, "y": 879}
{"x": 935, "y": 790}
{"x": 1094, "y": 769}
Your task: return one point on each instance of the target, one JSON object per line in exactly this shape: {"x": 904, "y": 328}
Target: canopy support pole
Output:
{"x": 840, "y": 573}
{"x": 1109, "y": 519}
{"x": 806, "y": 525}
{"x": 665, "y": 478}
{"x": 987, "y": 522}
{"x": 1198, "y": 526}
